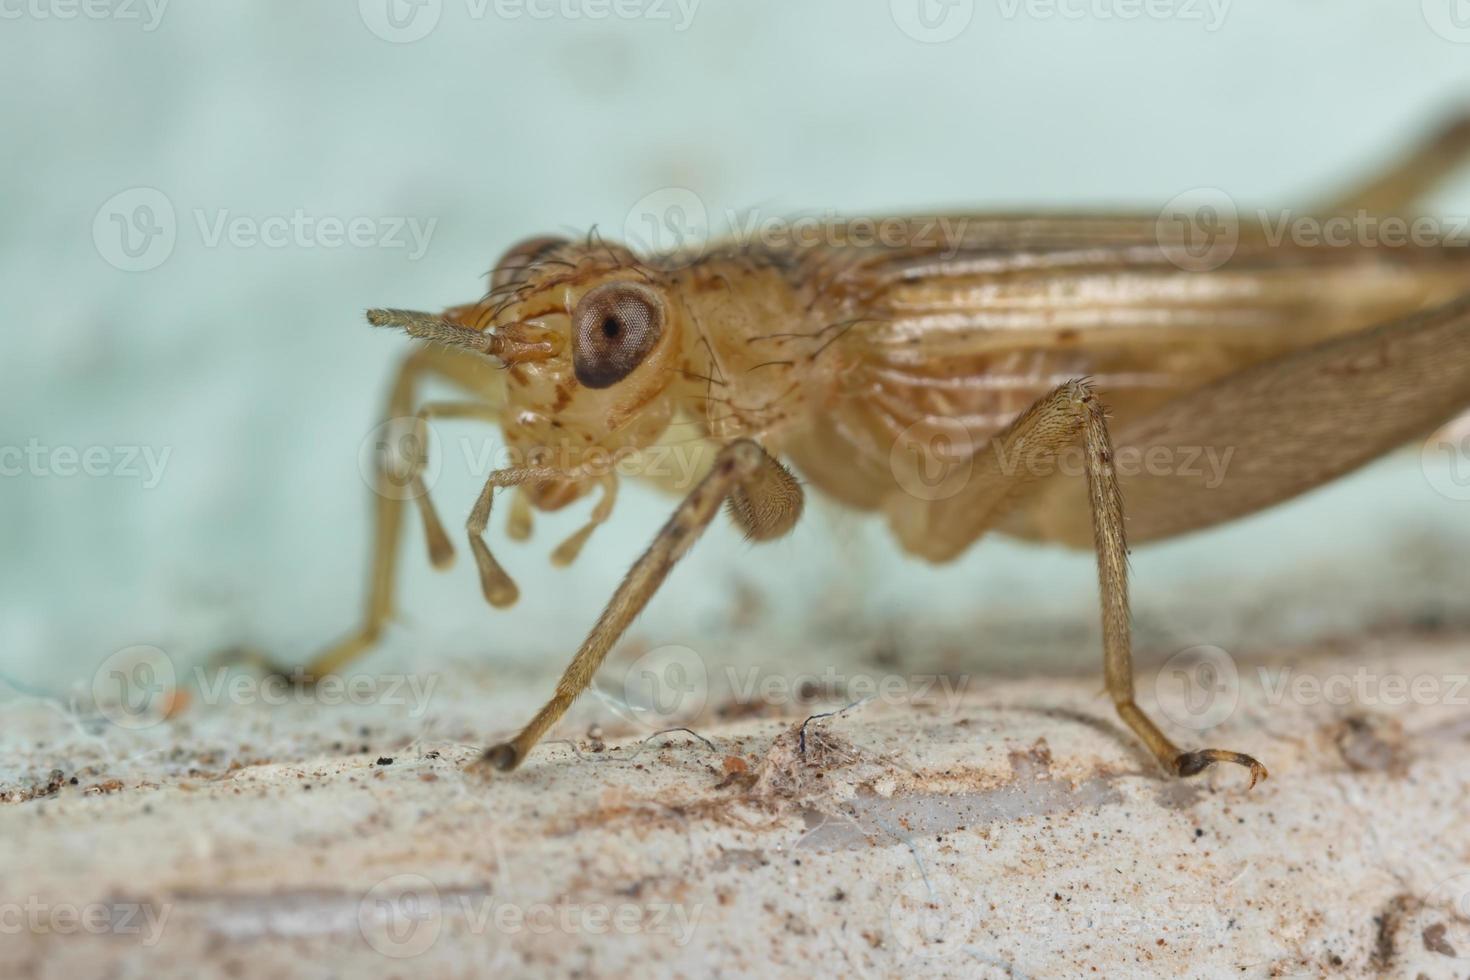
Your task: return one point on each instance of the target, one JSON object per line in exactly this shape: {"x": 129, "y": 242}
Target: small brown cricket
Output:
{"x": 868, "y": 367}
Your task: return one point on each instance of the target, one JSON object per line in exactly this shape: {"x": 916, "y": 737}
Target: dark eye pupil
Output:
{"x": 614, "y": 327}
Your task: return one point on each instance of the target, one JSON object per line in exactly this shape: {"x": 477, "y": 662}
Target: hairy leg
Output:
{"x": 1007, "y": 475}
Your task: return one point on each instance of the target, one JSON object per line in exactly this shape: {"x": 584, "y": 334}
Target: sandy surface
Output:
{"x": 948, "y": 826}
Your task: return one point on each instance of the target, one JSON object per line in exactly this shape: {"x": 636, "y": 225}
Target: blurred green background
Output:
{"x": 138, "y": 136}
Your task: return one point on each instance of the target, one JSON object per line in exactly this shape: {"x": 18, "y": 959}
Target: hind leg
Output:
{"x": 1008, "y": 475}
{"x": 1398, "y": 187}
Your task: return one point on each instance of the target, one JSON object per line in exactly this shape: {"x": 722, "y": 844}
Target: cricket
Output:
{"x": 871, "y": 372}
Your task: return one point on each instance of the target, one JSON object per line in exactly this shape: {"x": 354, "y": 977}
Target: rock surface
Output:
{"x": 995, "y": 828}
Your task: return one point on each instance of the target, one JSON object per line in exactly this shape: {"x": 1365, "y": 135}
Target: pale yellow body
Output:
{"x": 942, "y": 377}
{"x": 829, "y": 357}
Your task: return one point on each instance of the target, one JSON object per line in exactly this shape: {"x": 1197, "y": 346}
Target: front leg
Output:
{"x": 765, "y": 500}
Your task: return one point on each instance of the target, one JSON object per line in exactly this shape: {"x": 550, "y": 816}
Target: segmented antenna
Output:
{"x": 432, "y": 327}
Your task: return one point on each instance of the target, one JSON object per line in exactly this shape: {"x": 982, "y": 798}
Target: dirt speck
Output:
{"x": 1386, "y": 928}
{"x": 1435, "y": 941}
{"x": 1373, "y": 743}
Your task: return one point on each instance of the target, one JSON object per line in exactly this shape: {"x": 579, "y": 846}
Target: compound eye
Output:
{"x": 613, "y": 329}
{"x": 516, "y": 263}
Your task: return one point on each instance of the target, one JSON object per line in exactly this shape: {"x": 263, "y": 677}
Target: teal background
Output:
{"x": 251, "y": 366}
